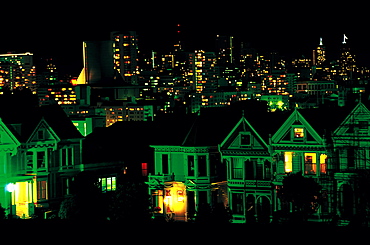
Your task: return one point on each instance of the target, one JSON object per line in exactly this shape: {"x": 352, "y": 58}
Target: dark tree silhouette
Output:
{"x": 87, "y": 202}
{"x": 130, "y": 202}
{"x": 218, "y": 214}
{"x": 303, "y": 193}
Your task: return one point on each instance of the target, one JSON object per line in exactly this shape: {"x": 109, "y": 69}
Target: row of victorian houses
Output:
{"x": 240, "y": 158}
{"x": 237, "y": 156}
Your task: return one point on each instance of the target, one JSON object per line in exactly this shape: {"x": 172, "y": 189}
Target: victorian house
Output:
{"x": 299, "y": 146}
{"x": 41, "y": 152}
{"x": 350, "y": 164}
{"x": 250, "y": 170}
{"x": 189, "y": 174}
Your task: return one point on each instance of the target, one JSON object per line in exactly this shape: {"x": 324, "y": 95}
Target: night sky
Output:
{"x": 58, "y": 31}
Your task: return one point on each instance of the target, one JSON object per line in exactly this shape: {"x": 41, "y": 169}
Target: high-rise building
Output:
{"x": 319, "y": 54}
{"x": 18, "y": 70}
{"x": 225, "y": 49}
{"x": 347, "y": 62}
{"x": 111, "y": 60}
{"x": 203, "y": 70}
{"x": 97, "y": 61}
{"x": 125, "y": 54}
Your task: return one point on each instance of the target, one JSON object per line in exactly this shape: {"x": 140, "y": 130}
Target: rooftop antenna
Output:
{"x": 344, "y": 39}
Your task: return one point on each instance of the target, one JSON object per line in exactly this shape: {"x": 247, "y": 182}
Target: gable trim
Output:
{"x": 48, "y": 128}
{"x": 245, "y": 125}
{"x": 296, "y": 116}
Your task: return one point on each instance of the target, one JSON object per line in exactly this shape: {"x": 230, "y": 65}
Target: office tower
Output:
{"x": 125, "y": 54}
{"x": 17, "y": 70}
{"x": 203, "y": 71}
{"x": 224, "y": 49}
{"x": 319, "y": 54}
{"x": 347, "y": 62}
{"x": 97, "y": 61}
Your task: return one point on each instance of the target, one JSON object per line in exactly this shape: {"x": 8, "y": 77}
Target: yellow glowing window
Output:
{"x": 299, "y": 133}
{"x": 288, "y": 161}
{"x": 323, "y": 163}
{"x": 310, "y": 163}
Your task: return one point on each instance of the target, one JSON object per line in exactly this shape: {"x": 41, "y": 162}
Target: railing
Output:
{"x": 250, "y": 183}
{"x": 162, "y": 178}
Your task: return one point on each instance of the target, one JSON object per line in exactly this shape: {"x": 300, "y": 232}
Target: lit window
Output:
{"x": 108, "y": 184}
{"x": 310, "y": 163}
{"x": 299, "y": 133}
{"x": 288, "y": 161}
{"x": 323, "y": 163}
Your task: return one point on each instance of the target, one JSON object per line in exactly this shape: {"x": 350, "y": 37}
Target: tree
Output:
{"x": 130, "y": 202}
{"x": 217, "y": 214}
{"x": 303, "y": 193}
{"x": 87, "y": 202}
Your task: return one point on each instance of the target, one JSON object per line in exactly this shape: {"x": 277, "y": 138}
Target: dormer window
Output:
{"x": 245, "y": 139}
{"x": 299, "y": 133}
{"x": 41, "y": 134}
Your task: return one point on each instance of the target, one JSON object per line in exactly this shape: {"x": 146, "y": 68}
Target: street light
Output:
{"x": 10, "y": 188}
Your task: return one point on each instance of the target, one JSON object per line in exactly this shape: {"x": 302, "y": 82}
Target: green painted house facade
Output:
{"x": 254, "y": 154}
{"x": 39, "y": 157}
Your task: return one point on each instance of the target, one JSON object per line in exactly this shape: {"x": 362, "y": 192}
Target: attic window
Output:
{"x": 245, "y": 139}
{"x": 298, "y": 133}
{"x": 41, "y": 134}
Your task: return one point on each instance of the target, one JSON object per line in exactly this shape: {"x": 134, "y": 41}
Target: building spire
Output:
{"x": 321, "y": 43}
{"x": 344, "y": 39}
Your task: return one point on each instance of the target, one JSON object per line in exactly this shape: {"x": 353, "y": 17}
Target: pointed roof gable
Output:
{"x": 233, "y": 140}
{"x": 47, "y": 132}
{"x": 296, "y": 120}
{"x": 360, "y": 113}
{"x": 8, "y": 140}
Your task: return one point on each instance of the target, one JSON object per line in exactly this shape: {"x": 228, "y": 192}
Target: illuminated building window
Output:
{"x": 108, "y": 184}
{"x": 323, "y": 163}
{"x": 288, "y": 161}
{"x": 310, "y": 163}
{"x": 298, "y": 133}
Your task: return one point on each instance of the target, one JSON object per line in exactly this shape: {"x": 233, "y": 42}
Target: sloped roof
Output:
{"x": 326, "y": 120}
{"x": 214, "y": 124}
{"x": 29, "y": 117}
{"x": 130, "y": 141}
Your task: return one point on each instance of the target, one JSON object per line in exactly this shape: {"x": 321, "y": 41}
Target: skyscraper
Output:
{"x": 347, "y": 62}
{"x": 125, "y": 55}
{"x": 203, "y": 70}
{"x": 98, "y": 62}
{"x": 111, "y": 60}
{"x": 224, "y": 49}
{"x": 17, "y": 70}
{"x": 319, "y": 54}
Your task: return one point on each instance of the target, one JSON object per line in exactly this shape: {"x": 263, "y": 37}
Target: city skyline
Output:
{"x": 277, "y": 26}
{"x": 292, "y": 47}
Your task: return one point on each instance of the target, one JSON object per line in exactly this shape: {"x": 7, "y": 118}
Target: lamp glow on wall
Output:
{"x": 10, "y": 187}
